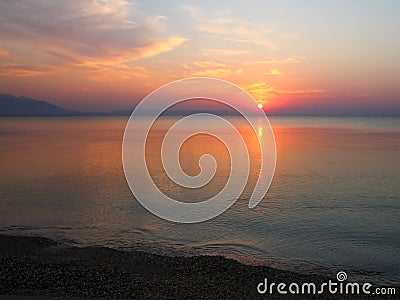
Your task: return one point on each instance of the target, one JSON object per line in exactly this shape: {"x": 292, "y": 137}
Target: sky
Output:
{"x": 294, "y": 57}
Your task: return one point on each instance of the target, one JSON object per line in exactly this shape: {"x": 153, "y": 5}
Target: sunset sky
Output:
{"x": 303, "y": 57}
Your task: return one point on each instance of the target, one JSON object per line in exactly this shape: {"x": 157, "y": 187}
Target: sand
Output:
{"x": 39, "y": 266}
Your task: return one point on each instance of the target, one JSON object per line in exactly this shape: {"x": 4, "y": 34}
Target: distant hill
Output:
{"x": 23, "y": 106}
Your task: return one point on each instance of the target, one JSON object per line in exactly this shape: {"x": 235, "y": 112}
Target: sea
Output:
{"x": 333, "y": 205}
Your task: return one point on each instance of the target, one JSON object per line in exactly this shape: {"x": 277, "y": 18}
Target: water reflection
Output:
{"x": 333, "y": 201}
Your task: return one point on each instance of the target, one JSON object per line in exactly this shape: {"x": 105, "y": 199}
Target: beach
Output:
{"x": 37, "y": 266}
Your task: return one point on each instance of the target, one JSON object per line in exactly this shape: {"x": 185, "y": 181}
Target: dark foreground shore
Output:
{"x": 39, "y": 266}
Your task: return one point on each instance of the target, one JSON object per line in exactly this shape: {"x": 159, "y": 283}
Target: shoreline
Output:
{"x": 37, "y": 266}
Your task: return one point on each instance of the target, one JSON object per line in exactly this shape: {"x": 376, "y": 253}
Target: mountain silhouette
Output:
{"x": 23, "y": 106}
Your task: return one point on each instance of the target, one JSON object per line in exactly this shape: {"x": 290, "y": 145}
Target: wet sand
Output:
{"x": 39, "y": 266}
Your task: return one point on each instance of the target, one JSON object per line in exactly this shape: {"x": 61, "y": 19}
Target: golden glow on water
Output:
{"x": 191, "y": 151}
{"x": 260, "y": 131}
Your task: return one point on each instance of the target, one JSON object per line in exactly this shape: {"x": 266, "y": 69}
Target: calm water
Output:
{"x": 334, "y": 202}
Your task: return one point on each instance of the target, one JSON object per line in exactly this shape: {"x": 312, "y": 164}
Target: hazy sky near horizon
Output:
{"x": 329, "y": 57}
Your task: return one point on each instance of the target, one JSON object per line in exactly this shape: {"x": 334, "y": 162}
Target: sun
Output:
{"x": 260, "y": 105}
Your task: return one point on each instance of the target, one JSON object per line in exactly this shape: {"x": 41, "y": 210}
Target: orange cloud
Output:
{"x": 261, "y": 91}
{"x": 158, "y": 47}
{"x": 258, "y": 90}
{"x": 300, "y": 91}
{"x": 210, "y": 68}
{"x": 217, "y": 72}
{"x": 124, "y": 72}
{"x": 213, "y": 72}
{"x": 95, "y": 34}
{"x": 208, "y": 64}
{"x": 273, "y": 72}
{"x": 17, "y": 70}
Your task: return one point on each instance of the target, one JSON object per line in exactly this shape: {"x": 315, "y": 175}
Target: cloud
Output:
{"x": 213, "y": 52}
{"x": 255, "y": 85}
{"x": 210, "y": 68}
{"x": 239, "y": 34}
{"x": 81, "y": 33}
{"x": 261, "y": 91}
{"x": 213, "y": 72}
{"x": 124, "y": 72}
{"x": 193, "y": 11}
{"x": 204, "y": 64}
{"x": 222, "y": 23}
{"x": 276, "y": 61}
{"x": 300, "y": 91}
{"x": 19, "y": 70}
{"x": 213, "y": 29}
{"x": 156, "y": 47}
{"x": 258, "y": 90}
{"x": 217, "y": 72}
{"x": 273, "y": 72}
